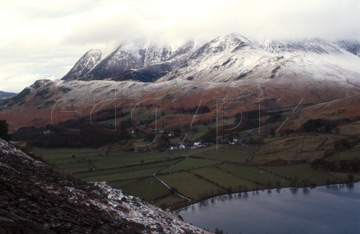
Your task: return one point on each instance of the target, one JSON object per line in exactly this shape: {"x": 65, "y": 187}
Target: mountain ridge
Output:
{"x": 129, "y": 61}
{"x": 314, "y": 71}
{"x": 6, "y": 94}
{"x": 148, "y": 61}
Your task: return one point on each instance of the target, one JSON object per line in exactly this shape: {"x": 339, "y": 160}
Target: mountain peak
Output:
{"x": 84, "y": 65}
{"x": 232, "y": 38}
{"x": 141, "y": 60}
{"x": 149, "y": 60}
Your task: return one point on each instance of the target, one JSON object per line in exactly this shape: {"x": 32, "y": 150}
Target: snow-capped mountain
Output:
{"x": 283, "y": 72}
{"x": 139, "y": 60}
{"x": 315, "y": 46}
{"x": 225, "y": 58}
{"x": 85, "y": 64}
{"x": 232, "y": 57}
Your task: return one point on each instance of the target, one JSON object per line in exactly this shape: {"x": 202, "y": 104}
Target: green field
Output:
{"x": 193, "y": 175}
{"x": 188, "y": 164}
{"x": 298, "y": 146}
{"x": 149, "y": 189}
{"x": 304, "y": 174}
{"x": 348, "y": 155}
{"x": 172, "y": 199}
{"x": 226, "y": 180}
{"x": 123, "y": 183}
{"x": 128, "y": 169}
{"x": 100, "y": 159}
{"x": 256, "y": 175}
{"x": 225, "y": 153}
{"x": 192, "y": 186}
{"x": 125, "y": 175}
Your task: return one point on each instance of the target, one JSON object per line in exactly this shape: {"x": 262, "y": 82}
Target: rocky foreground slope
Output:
{"x": 35, "y": 198}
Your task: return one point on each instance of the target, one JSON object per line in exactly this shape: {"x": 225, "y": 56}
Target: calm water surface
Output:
{"x": 325, "y": 209}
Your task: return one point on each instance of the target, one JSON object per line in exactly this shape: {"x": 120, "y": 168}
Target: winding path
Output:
{"x": 168, "y": 186}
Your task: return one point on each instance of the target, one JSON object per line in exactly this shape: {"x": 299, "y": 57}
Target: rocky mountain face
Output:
{"x": 222, "y": 59}
{"x": 352, "y": 46}
{"x": 88, "y": 61}
{"x": 36, "y": 198}
{"x": 139, "y": 60}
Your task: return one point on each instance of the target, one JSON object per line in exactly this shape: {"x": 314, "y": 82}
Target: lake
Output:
{"x": 324, "y": 209}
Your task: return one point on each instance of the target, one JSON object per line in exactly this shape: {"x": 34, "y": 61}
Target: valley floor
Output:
{"x": 176, "y": 179}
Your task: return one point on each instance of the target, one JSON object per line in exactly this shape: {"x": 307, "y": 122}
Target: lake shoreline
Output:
{"x": 177, "y": 209}
{"x": 323, "y": 209}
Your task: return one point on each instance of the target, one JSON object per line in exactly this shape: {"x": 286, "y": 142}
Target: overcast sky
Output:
{"x": 43, "y": 39}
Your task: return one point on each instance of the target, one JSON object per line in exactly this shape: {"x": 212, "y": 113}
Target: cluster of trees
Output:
{"x": 345, "y": 144}
{"x": 323, "y": 125}
{"x": 212, "y": 134}
{"x": 4, "y": 130}
{"x": 196, "y": 109}
{"x": 345, "y": 166}
{"x": 219, "y": 231}
{"x": 274, "y": 117}
{"x": 249, "y": 120}
{"x": 160, "y": 142}
{"x": 107, "y": 114}
{"x": 342, "y": 145}
{"x": 86, "y": 135}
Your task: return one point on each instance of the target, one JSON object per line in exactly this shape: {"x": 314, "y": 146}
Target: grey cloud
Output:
{"x": 330, "y": 19}
{"x": 81, "y": 25}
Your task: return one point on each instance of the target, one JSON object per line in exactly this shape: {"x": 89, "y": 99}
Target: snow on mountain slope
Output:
{"x": 84, "y": 65}
{"x": 254, "y": 71}
{"x": 315, "y": 46}
{"x": 137, "y": 60}
{"x": 233, "y": 58}
{"x": 218, "y": 61}
{"x": 52, "y": 102}
{"x": 352, "y": 46}
{"x": 226, "y": 58}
